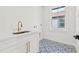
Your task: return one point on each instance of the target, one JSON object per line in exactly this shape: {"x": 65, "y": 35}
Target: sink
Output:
{"x": 21, "y": 32}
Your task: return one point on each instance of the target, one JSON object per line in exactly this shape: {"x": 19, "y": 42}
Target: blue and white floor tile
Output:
{"x": 48, "y": 46}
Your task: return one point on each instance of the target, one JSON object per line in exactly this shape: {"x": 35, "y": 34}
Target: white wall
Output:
{"x": 77, "y": 27}
{"x": 60, "y": 36}
{"x": 77, "y": 20}
{"x": 9, "y": 17}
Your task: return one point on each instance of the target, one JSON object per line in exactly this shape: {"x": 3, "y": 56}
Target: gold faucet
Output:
{"x": 19, "y": 26}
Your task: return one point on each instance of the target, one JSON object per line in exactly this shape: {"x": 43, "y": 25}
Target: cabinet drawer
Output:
{"x": 17, "y": 48}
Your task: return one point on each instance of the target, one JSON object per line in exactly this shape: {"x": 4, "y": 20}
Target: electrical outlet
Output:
{"x": 35, "y": 26}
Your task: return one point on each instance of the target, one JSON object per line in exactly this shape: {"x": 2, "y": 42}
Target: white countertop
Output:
{"x": 11, "y": 35}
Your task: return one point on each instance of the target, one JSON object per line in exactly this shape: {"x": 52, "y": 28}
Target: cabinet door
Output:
{"x": 20, "y": 47}
{"x": 34, "y": 43}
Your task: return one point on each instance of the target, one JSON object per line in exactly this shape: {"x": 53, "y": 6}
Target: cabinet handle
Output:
{"x": 28, "y": 46}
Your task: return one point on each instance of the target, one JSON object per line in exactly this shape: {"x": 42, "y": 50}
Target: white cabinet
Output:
{"x": 21, "y": 44}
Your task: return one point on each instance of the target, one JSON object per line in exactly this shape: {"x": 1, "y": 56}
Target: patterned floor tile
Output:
{"x": 48, "y": 46}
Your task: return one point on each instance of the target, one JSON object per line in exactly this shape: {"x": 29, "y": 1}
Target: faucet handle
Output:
{"x": 19, "y": 25}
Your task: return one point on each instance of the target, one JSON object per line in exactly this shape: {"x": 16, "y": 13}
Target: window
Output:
{"x": 58, "y": 18}
{"x": 61, "y": 22}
